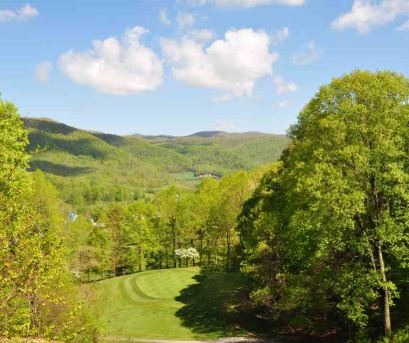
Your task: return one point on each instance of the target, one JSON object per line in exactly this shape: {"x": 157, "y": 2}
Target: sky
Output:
{"x": 182, "y": 66}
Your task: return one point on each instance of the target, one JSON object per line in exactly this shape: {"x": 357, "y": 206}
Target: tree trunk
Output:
{"x": 208, "y": 253}
{"x": 387, "y": 312}
{"x": 140, "y": 251}
{"x": 193, "y": 260}
{"x": 228, "y": 250}
{"x": 201, "y": 247}
{"x": 180, "y": 258}
{"x": 174, "y": 244}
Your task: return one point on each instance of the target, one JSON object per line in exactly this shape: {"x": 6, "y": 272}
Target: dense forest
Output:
{"x": 320, "y": 233}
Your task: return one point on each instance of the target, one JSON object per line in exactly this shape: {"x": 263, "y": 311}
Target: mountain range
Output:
{"x": 128, "y": 166}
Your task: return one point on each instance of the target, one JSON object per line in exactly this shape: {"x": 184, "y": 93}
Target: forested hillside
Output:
{"x": 90, "y": 166}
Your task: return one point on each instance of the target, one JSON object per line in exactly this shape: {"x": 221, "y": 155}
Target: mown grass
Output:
{"x": 182, "y": 303}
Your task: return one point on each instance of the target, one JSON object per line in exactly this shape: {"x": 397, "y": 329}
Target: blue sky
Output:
{"x": 180, "y": 66}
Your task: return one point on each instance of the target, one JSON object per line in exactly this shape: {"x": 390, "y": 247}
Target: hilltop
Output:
{"x": 93, "y": 166}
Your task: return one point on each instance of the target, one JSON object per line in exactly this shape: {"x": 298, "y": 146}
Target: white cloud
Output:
{"x": 283, "y": 104}
{"x": 42, "y": 71}
{"x": 284, "y": 87}
{"x": 115, "y": 67}
{"x": 186, "y": 20}
{"x": 202, "y": 35}
{"x": 222, "y": 98}
{"x": 365, "y": 15}
{"x": 404, "y": 26}
{"x": 223, "y": 125}
{"x": 163, "y": 17}
{"x": 246, "y": 3}
{"x": 196, "y": 3}
{"x": 232, "y": 64}
{"x": 24, "y": 13}
{"x": 312, "y": 55}
{"x": 280, "y": 35}
{"x": 254, "y": 3}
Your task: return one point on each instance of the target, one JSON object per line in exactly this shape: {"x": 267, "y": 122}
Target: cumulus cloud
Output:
{"x": 246, "y": 3}
{"x": 42, "y": 71}
{"x": 284, "y": 87}
{"x": 232, "y": 65}
{"x": 186, "y": 20}
{"x": 280, "y": 35}
{"x": 312, "y": 55}
{"x": 223, "y": 125}
{"x": 163, "y": 17}
{"x": 365, "y": 15}
{"x": 113, "y": 66}
{"x": 24, "y": 13}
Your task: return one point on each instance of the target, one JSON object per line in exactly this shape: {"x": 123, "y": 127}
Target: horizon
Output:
{"x": 183, "y": 66}
{"x": 156, "y": 135}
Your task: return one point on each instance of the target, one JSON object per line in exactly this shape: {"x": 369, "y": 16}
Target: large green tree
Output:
{"x": 333, "y": 221}
{"x": 349, "y": 167}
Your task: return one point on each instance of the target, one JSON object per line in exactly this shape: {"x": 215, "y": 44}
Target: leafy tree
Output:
{"x": 168, "y": 206}
{"x": 234, "y": 190}
{"x": 350, "y": 164}
{"x": 122, "y": 258}
{"x": 139, "y": 220}
{"x": 333, "y": 221}
{"x": 37, "y": 294}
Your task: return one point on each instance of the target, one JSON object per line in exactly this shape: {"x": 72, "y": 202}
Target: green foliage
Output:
{"x": 325, "y": 237}
{"x": 37, "y": 293}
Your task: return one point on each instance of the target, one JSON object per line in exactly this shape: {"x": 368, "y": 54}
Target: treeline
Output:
{"x": 127, "y": 237}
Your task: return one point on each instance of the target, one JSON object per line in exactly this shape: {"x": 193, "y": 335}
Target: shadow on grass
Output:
{"x": 212, "y": 306}
{"x": 58, "y": 169}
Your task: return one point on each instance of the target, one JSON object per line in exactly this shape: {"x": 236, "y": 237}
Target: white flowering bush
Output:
{"x": 190, "y": 253}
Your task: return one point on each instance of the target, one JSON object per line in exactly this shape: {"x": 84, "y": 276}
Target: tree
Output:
{"x": 13, "y": 157}
{"x": 168, "y": 206}
{"x": 122, "y": 257}
{"x": 346, "y": 178}
{"x": 139, "y": 220}
{"x": 234, "y": 190}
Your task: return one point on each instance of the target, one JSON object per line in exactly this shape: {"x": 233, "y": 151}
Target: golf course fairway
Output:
{"x": 182, "y": 303}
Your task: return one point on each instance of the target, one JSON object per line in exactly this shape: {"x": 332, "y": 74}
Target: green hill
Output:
{"x": 91, "y": 166}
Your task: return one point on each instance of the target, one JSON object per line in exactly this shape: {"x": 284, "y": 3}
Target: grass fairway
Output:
{"x": 178, "y": 303}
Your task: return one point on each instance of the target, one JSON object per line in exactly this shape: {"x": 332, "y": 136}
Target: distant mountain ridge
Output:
{"x": 73, "y": 157}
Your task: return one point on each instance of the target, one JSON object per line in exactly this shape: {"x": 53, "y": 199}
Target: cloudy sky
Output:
{"x": 180, "y": 66}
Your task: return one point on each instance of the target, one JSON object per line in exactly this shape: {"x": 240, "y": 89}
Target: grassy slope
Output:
{"x": 169, "y": 304}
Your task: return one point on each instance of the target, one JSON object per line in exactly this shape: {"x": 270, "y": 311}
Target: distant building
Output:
{"x": 94, "y": 223}
{"x": 203, "y": 175}
{"x": 72, "y": 216}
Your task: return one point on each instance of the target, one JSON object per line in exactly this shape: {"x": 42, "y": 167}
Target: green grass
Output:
{"x": 180, "y": 303}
